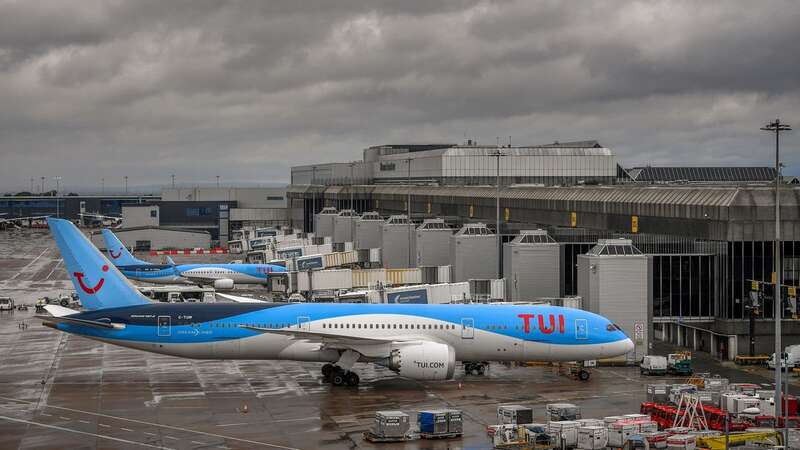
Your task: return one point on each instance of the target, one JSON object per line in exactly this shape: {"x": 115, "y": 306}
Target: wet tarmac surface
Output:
{"x": 63, "y": 391}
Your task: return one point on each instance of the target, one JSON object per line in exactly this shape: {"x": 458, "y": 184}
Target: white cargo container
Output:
{"x": 619, "y": 433}
{"x": 565, "y": 433}
{"x": 727, "y": 401}
{"x": 610, "y": 420}
{"x": 592, "y": 423}
{"x": 592, "y": 437}
{"x": 681, "y": 442}
{"x": 648, "y": 427}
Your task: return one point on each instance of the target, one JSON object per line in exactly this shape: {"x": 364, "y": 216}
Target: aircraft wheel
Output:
{"x": 481, "y": 369}
{"x": 327, "y": 370}
{"x": 352, "y": 379}
{"x": 583, "y": 375}
{"x": 338, "y": 378}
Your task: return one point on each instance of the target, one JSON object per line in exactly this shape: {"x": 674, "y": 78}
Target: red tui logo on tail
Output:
{"x": 90, "y": 290}
{"x": 111, "y": 252}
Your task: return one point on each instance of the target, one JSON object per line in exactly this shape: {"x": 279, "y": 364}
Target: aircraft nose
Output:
{"x": 628, "y": 344}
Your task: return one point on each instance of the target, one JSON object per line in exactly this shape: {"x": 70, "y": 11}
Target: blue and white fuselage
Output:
{"x": 417, "y": 341}
{"x": 221, "y": 275}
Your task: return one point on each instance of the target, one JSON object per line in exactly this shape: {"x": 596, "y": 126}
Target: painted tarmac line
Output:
{"x": 84, "y": 421}
{"x": 126, "y": 429}
{"x": 85, "y": 433}
{"x": 149, "y": 433}
{"x": 54, "y": 269}
{"x": 29, "y": 264}
{"x": 172, "y": 437}
{"x": 64, "y": 418}
{"x": 104, "y": 425}
{"x": 157, "y": 425}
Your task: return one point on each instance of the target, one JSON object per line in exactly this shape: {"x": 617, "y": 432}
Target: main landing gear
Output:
{"x": 338, "y": 376}
{"x": 475, "y": 368}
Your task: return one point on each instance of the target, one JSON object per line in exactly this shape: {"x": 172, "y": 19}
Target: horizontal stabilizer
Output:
{"x": 84, "y": 322}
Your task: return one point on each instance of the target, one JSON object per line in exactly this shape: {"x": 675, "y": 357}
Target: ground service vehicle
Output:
{"x": 653, "y": 365}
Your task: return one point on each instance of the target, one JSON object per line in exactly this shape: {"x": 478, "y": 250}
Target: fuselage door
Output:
{"x": 581, "y": 329}
{"x": 303, "y": 323}
{"x": 467, "y": 328}
{"x": 164, "y": 328}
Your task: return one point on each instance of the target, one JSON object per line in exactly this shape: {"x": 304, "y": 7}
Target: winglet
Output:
{"x": 98, "y": 283}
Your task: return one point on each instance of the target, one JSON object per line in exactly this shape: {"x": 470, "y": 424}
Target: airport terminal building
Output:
{"x": 707, "y": 233}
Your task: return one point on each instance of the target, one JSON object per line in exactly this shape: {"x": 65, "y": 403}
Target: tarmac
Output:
{"x": 62, "y": 391}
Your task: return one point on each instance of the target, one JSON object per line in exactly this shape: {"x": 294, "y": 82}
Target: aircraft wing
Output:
{"x": 238, "y": 299}
{"x": 374, "y": 347}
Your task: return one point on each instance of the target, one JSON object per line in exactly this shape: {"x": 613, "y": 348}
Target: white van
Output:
{"x": 6, "y": 304}
{"x": 653, "y": 365}
{"x": 792, "y": 360}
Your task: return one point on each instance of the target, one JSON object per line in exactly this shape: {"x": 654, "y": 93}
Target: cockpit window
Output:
{"x": 613, "y": 327}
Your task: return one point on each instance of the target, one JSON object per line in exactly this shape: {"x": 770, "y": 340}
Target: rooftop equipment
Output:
{"x": 323, "y": 221}
{"x": 368, "y": 230}
{"x": 433, "y": 243}
{"x": 398, "y": 242}
{"x": 531, "y": 266}
{"x": 473, "y": 253}
{"x": 344, "y": 226}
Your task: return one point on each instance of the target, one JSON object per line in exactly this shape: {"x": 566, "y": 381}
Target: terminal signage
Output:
{"x": 308, "y": 264}
{"x": 419, "y": 296}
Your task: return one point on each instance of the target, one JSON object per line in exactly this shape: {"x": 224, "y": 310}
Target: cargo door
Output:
{"x": 164, "y": 326}
{"x": 303, "y": 323}
{"x": 467, "y": 328}
{"x": 581, "y": 329}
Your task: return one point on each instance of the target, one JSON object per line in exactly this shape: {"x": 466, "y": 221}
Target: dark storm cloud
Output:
{"x": 97, "y": 89}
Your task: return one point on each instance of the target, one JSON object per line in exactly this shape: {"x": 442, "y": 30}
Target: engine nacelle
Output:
{"x": 223, "y": 283}
{"x": 428, "y": 361}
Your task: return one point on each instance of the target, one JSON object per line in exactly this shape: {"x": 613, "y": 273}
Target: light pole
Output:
{"x": 352, "y": 209}
{"x": 126, "y": 185}
{"x": 777, "y": 127}
{"x": 173, "y": 180}
{"x": 408, "y": 209}
{"x": 102, "y": 186}
{"x": 42, "y": 191}
{"x": 58, "y": 186}
{"x": 498, "y": 154}
{"x": 217, "y": 180}
{"x": 32, "y": 189}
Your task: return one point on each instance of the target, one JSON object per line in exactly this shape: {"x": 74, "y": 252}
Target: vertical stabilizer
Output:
{"x": 98, "y": 283}
{"x": 117, "y": 253}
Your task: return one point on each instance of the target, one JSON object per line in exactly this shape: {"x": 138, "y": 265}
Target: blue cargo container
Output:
{"x": 433, "y": 422}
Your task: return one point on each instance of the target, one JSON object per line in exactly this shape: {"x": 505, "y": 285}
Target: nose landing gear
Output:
{"x": 475, "y": 368}
{"x": 338, "y": 376}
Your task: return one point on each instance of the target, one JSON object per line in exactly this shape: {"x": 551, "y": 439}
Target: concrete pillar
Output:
{"x": 694, "y": 339}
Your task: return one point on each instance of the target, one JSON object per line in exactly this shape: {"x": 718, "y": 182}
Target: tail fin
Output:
{"x": 117, "y": 252}
{"x": 98, "y": 283}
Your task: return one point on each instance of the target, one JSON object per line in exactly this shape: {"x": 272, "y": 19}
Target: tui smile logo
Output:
{"x": 90, "y": 290}
{"x": 111, "y": 252}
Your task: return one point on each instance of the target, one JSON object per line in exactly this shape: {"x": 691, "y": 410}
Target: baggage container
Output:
{"x": 432, "y": 421}
{"x": 455, "y": 421}
{"x": 592, "y": 423}
{"x": 565, "y": 433}
{"x": 390, "y": 424}
{"x": 681, "y": 442}
{"x": 715, "y": 384}
{"x": 562, "y": 411}
{"x": 610, "y": 420}
{"x": 636, "y": 416}
{"x": 592, "y": 437}
{"x": 619, "y": 433}
{"x": 648, "y": 427}
{"x": 657, "y": 393}
{"x": 514, "y": 414}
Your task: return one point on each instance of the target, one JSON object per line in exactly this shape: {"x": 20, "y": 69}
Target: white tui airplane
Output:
{"x": 422, "y": 342}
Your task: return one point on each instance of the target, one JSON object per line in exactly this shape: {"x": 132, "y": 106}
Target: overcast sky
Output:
{"x": 245, "y": 90}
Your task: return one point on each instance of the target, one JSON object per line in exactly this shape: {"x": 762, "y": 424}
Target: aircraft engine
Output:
{"x": 428, "y": 361}
{"x": 223, "y": 283}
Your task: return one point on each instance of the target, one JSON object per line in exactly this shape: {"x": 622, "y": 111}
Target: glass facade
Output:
{"x": 683, "y": 285}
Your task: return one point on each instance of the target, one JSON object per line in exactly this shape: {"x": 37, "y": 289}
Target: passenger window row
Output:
{"x": 391, "y": 326}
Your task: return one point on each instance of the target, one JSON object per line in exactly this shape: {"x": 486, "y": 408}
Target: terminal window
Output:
{"x": 201, "y": 211}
